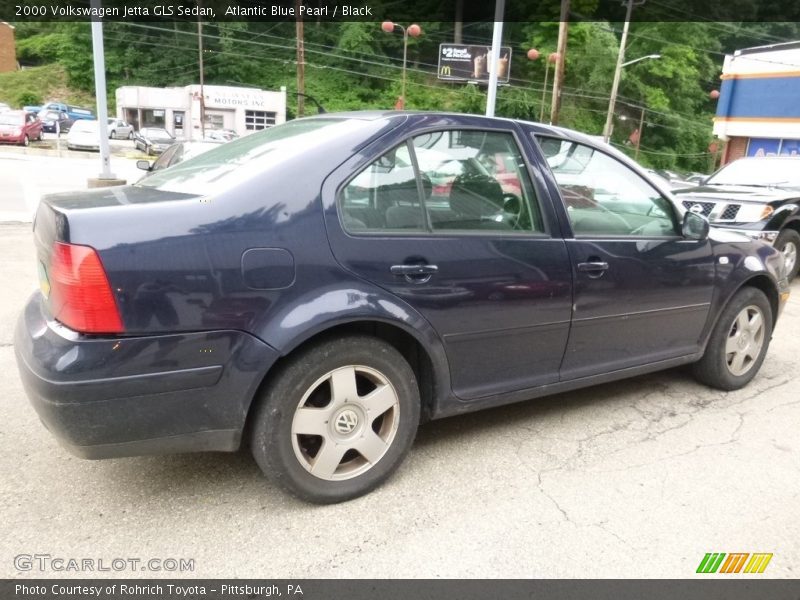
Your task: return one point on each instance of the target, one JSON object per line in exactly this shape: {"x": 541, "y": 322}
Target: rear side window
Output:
{"x": 384, "y": 196}
{"x": 456, "y": 180}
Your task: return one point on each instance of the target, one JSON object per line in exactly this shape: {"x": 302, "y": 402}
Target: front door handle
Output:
{"x": 593, "y": 268}
{"x": 414, "y": 273}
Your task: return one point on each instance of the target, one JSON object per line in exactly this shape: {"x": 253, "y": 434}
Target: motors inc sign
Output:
{"x": 463, "y": 62}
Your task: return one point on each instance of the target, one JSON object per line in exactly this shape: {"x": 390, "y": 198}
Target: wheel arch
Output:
{"x": 426, "y": 360}
{"x": 766, "y": 285}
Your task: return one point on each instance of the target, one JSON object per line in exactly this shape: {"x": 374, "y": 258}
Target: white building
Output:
{"x": 244, "y": 110}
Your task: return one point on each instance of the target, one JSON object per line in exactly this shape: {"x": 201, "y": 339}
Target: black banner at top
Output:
{"x": 408, "y": 10}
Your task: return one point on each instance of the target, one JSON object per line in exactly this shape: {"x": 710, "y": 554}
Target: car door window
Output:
{"x": 384, "y": 196}
{"x": 475, "y": 180}
{"x": 605, "y": 197}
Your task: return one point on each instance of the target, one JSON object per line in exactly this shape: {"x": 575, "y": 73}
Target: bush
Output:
{"x": 28, "y": 98}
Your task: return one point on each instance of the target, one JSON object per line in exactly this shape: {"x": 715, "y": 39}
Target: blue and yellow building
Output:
{"x": 758, "y": 112}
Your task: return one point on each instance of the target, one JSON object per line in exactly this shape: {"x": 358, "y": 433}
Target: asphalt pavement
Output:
{"x": 639, "y": 478}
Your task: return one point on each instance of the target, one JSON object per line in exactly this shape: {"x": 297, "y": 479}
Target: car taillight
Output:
{"x": 80, "y": 295}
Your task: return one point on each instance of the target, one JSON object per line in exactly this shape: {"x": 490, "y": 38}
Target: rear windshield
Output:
{"x": 236, "y": 161}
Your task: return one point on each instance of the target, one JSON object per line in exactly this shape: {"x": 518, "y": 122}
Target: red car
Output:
{"x": 19, "y": 127}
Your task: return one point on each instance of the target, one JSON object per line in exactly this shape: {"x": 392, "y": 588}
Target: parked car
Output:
{"x": 153, "y": 140}
{"x": 294, "y": 291}
{"x": 175, "y": 154}
{"x": 221, "y": 135}
{"x": 84, "y": 135}
{"x": 4, "y": 107}
{"x": 19, "y": 127}
{"x": 758, "y": 196}
{"x": 119, "y": 129}
{"x": 54, "y": 121}
{"x": 32, "y": 109}
{"x": 76, "y": 113}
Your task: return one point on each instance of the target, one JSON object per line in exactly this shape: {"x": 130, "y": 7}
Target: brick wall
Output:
{"x": 8, "y": 52}
{"x": 735, "y": 148}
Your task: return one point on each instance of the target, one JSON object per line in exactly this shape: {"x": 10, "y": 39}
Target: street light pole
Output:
{"x": 405, "y": 56}
{"x": 413, "y": 30}
{"x": 617, "y": 73}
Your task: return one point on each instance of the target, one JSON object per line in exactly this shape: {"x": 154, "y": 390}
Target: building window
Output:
{"x": 256, "y": 120}
{"x": 772, "y": 147}
{"x": 153, "y": 117}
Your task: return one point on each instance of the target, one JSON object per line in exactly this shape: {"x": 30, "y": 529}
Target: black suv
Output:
{"x": 759, "y": 196}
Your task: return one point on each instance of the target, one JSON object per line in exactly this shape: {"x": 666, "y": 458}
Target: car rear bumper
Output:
{"x": 127, "y": 396}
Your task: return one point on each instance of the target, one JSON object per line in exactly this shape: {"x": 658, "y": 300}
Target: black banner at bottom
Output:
{"x": 390, "y": 589}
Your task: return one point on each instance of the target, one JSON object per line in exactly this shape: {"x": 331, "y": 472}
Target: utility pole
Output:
{"x": 202, "y": 93}
{"x": 639, "y": 137}
{"x": 617, "y": 74}
{"x": 561, "y": 50}
{"x": 497, "y": 40}
{"x": 301, "y": 62}
{"x": 459, "y": 23}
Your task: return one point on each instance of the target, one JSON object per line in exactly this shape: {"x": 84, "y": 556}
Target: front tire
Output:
{"x": 337, "y": 420}
{"x": 738, "y": 343}
{"x": 788, "y": 244}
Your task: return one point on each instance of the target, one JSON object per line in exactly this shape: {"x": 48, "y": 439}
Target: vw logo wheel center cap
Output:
{"x": 348, "y": 421}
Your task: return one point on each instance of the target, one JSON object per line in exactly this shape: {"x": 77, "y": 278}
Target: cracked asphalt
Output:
{"x": 638, "y": 478}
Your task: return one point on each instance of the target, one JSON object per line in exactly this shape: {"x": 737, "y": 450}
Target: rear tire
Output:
{"x": 337, "y": 420}
{"x": 738, "y": 343}
{"x": 788, "y": 244}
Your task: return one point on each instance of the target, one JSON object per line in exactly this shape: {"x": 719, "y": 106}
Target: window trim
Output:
{"x": 429, "y": 232}
{"x": 619, "y": 237}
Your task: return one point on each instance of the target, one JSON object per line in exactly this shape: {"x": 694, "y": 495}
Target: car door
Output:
{"x": 430, "y": 221}
{"x": 642, "y": 292}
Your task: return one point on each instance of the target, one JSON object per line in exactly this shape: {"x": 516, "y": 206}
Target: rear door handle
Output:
{"x": 414, "y": 273}
{"x": 594, "y": 268}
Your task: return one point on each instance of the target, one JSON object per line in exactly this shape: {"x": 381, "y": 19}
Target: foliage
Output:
{"x": 355, "y": 65}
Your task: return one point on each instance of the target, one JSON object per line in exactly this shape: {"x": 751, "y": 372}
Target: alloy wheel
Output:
{"x": 345, "y": 423}
{"x": 745, "y": 340}
{"x": 789, "y": 252}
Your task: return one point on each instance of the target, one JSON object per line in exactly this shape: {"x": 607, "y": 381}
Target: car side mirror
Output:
{"x": 144, "y": 165}
{"x": 695, "y": 227}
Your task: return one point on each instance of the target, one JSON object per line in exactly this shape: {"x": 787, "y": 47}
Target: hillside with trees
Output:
{"x": 355, "y": 65}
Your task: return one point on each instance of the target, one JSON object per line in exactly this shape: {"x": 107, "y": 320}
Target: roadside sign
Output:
{"x": 466, "y": 62}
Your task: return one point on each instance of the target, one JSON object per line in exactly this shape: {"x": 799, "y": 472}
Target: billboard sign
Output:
{"x": 466, "y": 62}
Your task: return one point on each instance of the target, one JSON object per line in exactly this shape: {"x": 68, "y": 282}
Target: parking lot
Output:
{"x": 638, "y": 478}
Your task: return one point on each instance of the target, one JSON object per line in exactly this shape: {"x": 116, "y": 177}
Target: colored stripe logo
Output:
{"x": 736, "y": 562}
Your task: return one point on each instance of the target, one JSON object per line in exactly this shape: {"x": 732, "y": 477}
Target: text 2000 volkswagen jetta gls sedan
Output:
{"x": 318, "y": 288}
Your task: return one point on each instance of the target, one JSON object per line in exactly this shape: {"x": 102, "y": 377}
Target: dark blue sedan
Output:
{"x": 317, "y": 289}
